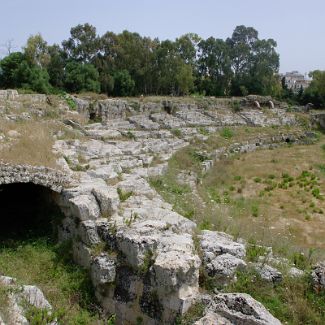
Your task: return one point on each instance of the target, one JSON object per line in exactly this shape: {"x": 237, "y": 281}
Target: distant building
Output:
{"x": 295, "y": 81}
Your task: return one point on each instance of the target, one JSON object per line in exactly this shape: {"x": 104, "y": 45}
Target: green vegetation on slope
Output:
{"x": 66, "y": 286}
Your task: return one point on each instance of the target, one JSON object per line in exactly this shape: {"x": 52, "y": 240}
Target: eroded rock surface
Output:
{"x": 20, "y": 296}
{"x": 239, "y": 308}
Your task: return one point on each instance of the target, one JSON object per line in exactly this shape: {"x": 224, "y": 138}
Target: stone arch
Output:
{"x": 271, "y": 104}
{"x": 257, "y": 104}
{"x": 27, "y": 194}
{"x": 27, "y": 210}
{"x": 37, "y": 175}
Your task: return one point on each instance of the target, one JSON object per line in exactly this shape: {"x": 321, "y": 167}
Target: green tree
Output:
{"x": 185, "y": 79}
{"x": 123, "y": 83}
{"x": 315, "y": 93}
{"x": 187, "y": 47}
{"x": 36, "y": 51}
{"x": 56, "y": 66}
{"x": 37, "y": 80}
{"x": 83, "y": 44}
{"x": 264, "y": 67}
{"x": 16, "y": 72}
{"x": 81, "y": 77}
{"x": 8, "y": 68}
{"x": 214, "y": 67}
{"x": 255, "y": 62}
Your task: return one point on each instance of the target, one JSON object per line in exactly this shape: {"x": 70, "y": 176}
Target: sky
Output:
{"x": 297, "y": 26}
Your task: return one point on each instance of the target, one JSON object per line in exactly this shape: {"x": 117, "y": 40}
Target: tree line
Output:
{"x": 128, "y": 64}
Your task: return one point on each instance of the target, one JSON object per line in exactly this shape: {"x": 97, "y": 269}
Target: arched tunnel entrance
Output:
{"x": 26, "y": 211}
{"x": 31, "y": 253}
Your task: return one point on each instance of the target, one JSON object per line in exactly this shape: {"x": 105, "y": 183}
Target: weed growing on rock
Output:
{"x": 195, "y": 312}
{"x": 176, "y": 132}
{"x": 123, "y": 195}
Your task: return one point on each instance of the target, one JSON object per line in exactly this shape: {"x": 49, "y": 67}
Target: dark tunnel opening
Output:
{"x": 28, "y": 211}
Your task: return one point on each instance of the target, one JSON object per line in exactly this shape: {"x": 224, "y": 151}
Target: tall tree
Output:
{"x": 264, "y": 67}
{"x": 214, "y": 66}
{"x": 315, "y": 93}
{"x": 83, "y": 44}
{"x": 254, "y": 62}
{"x": 17, "y": 72}
{"x": 8, "y": 67}
{"x": 56, "y": 66}
{"x": 36, "y": 51}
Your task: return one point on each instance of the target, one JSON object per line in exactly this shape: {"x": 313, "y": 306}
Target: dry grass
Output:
{"x": 235, "y": 196}
{"x": 33, "y": 146}
{"x": 35, "y": 139}
{"x": 266, "y": 207}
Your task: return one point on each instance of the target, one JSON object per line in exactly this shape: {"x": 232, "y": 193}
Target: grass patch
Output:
{"x": 227, "y": 133}
{"x": 193, "y": 314}
{"x": 292, "y": 302}
{"x": 176, "y": 132}
{"x": 4, "y": 303}
{"x": 203, "y": 131}
{"x": 130, "y": 135}
{"x": 33, "y": 146}
{"x": 254, "y": 251}
{"x": 49, "y": 266}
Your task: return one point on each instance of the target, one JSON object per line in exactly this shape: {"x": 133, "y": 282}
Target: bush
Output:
{"x": 236, "y": 106}
{"x": 227, "y": 133}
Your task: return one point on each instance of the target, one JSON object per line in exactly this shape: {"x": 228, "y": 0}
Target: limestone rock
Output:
{"x": 13, "y": 134}
{"x": 35, "y": 297}
{"x": 295, "y": 273}
{"x": 16, "y": 297}
{"x": 85, "y": 207}
{"x": 103, "y": 270}
{"x": 81, "y": 254}
{"x": 216, "y": 243}
{"x": 224, "y": 267}
{"x": 318, "y": 277}
{"x": 241, "y": 308}
{"x": 88, "y": 233}
{"x": 213, "y": 319}
{"x": 268, "y": 273}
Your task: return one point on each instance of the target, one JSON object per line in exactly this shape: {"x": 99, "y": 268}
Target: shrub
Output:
{"x": 255, "y": 210}
{"x": 203, "y": 131}
{"x": 236, "y": 106}
{"x": 226, "y": 133}
{"x": 176, "y": 132}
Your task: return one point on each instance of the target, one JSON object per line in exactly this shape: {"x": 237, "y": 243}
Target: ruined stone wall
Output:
{"x": 109, "y": 109}
{"x": 141, "y": 254}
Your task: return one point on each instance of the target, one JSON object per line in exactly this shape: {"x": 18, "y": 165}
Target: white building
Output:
{"x": 295, "y": 81}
